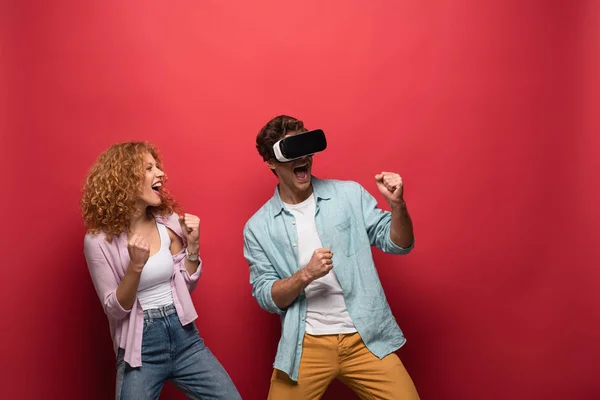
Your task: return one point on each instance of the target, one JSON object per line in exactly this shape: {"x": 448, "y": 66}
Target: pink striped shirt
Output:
{"x": 107, "y": 263}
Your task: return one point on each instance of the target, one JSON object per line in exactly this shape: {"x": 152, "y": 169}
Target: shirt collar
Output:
{"x": 321, "y": 191}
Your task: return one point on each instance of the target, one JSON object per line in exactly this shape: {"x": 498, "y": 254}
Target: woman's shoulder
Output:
{"x": 99, "y": 239}
{"x": 169, "y": 220}
{"x": 94, "y": 237}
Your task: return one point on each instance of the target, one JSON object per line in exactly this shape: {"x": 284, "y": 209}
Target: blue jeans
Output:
{"x": 175, "y": 353}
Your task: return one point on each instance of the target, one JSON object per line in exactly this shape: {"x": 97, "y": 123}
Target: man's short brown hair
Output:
{"x": 275, "y": 130}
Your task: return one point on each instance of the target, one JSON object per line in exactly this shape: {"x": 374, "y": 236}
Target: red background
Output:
{"x": 487, "y": 109}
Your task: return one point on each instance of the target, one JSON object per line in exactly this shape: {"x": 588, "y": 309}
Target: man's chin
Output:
{"x": 303, "y": 185}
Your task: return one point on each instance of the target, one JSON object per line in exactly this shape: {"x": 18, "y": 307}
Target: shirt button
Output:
{"x": 303, "y": 318}
{"x": 299, "y": 343}
{"x": 294, "y": 244}
{"x": 293, "y": 222}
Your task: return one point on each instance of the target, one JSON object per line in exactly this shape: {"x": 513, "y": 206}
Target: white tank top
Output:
{"x": 326, "y": 312}
{"x": 154, "y": 290}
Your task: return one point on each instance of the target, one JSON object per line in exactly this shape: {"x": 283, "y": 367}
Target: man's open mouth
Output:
{"x": 301, "y": 172}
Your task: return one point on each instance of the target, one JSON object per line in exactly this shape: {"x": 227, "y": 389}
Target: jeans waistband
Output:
{"x": 160, "y": 312}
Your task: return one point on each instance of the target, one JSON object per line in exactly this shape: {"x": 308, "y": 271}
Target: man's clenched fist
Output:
{"x": 391, "y": 187}
{"x": 319, "y": 265}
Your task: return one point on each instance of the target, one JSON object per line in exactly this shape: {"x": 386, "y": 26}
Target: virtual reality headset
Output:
{"x": 299, "y": 145}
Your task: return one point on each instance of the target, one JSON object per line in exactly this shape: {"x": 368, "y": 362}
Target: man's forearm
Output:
{"x": 285, "y": 291}
{"x": 401, "y": 231}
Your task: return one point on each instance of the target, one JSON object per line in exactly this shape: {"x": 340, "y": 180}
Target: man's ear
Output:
{"x": 271, "y": 164}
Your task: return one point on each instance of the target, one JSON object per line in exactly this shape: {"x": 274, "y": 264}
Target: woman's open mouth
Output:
{"x": 156, "y": 187}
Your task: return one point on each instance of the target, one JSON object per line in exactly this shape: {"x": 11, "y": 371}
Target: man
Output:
{"x": 309, "y": 253}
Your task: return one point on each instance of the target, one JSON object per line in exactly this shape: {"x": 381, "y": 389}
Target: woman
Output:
{"x": 143, "y": 259}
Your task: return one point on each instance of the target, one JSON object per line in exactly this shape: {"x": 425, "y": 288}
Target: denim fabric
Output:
{"x": 175, "y": 353}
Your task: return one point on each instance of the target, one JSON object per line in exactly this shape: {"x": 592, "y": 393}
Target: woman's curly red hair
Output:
{"x": 113, "y": 184}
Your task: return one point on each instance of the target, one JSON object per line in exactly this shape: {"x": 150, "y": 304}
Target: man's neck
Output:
{"x": 290, "y": 196}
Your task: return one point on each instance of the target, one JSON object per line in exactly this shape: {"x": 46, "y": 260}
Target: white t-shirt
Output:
{"x": 326, "y": 312}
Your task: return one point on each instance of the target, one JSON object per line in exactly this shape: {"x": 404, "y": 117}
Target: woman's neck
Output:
{"x": 139, "y": 220}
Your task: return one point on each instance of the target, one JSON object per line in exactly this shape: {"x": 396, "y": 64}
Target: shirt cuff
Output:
{"x": 395, "y": 249}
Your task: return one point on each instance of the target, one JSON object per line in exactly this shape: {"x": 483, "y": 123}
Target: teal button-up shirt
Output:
{"x": 349, "y": 223}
